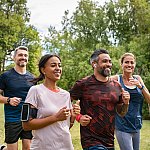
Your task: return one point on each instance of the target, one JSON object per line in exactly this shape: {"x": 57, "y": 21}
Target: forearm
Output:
{"x": 122, "y": 109}
{"x": 3, "y": 99}
{"x": 35, "y": 124}
{"x": 146, "y": 94}
{"x": 72, "y": 120}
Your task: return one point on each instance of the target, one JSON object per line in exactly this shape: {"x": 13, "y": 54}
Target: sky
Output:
{"x": 50, "y": 12}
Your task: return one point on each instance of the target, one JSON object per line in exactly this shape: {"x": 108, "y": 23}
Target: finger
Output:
{"x": 64, "y": 108}
{"x": 78, "y": 102}
{"x": 122, "y": 89}
{"x": 87, "y": 116}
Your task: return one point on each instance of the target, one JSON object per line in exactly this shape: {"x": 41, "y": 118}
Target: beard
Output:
{"x": 105, "y": 72}
{"x": 22, "y": 64}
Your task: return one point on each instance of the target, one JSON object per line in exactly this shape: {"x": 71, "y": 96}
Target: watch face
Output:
{"x": 8, "y": 100}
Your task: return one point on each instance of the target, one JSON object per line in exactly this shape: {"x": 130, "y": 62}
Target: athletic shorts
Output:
{"x": 14, "y": 131}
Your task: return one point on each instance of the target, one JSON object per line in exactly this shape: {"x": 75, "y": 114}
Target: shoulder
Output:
{"x": 114, "y": 82}
{"x": 7, "y": 74}
{"x": 64, "y": 91}
{"x": 36, "y": 87}
{"x": 137, "y": 77}
{"x": 29, "y": 74}
{"x": 114, "y": 77}
{"x": 84, "y": 80}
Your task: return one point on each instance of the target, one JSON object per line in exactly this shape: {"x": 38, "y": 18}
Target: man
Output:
{"x": 14, "y": 85}
{"x": 100, "y": 99}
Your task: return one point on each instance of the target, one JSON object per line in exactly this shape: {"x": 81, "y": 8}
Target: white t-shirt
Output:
{"x": 57, "y": 135}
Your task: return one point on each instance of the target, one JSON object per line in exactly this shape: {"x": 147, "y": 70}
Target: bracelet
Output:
{"x": 8, "y": 100}
{"x": 78, "y": 117}
{"x": 142, "y": 87}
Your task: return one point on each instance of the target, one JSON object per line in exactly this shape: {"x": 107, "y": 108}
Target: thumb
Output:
{"x": 64, "y": 107}
{"x": 87, "y": 116}
{"x": 122, "y": 90}
{"x": 78, "y": 102}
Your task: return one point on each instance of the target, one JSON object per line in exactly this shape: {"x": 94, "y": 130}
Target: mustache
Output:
{"x": 23, "y": 59}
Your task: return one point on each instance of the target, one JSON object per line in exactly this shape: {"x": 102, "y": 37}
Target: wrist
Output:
{"x": 8, "y": 100}
{"x": 142, "y": 87}
{"x": 78, "y": 117}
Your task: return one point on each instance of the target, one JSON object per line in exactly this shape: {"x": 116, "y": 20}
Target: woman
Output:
{"x": 51, "y": 113}
{"x": 128, "y": 127}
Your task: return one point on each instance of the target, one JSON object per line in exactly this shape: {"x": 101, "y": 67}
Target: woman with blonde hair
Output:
{"x": 128, "y": 127}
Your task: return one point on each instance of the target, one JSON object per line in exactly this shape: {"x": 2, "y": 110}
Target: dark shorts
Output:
{"x": 14, "y": 131}
{"x": 98, "y": 147}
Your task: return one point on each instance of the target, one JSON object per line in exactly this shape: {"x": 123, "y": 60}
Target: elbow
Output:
{"x": 25, "y": 126}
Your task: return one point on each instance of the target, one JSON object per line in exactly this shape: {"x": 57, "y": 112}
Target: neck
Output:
{"x": 50, "y": 85}
{"x": 20, "y": 70}
{"x": 126, "y": 76}
{"x": 101, "y": 78}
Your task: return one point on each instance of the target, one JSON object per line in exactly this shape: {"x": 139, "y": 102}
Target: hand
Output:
{"x": 125, "y": 96}
{"x": 85, "y": 120}
{"x": 135, "y": 82}
{"x": 15, "y": 101}
{"x": 62, "y": 114}
{"x": 76, "y": 108}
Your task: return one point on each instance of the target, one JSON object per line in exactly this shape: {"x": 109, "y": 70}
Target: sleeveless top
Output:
{"x": 132, "y": 121}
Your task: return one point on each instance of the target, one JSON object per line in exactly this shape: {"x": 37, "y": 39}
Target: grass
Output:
{"x": 75, "y": 132}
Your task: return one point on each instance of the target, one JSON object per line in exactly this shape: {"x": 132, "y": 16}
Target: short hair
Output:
{"x": 20, "y": 47}
{"x": 94, "y": 57}
{"x": 125, "y": 55}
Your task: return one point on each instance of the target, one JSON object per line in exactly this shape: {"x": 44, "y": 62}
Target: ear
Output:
{"x": 95, "y": 65}
{"x": 42, "y": 70}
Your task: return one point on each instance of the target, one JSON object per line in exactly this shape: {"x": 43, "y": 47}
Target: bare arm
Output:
{"x": 38, "y": 123}
{"x": 74, "y": 112}
{"x": 2, "y": 98}
{"x": 122, "y": 109}
{"x": 14, "y": 101}
{"x": 139, "y": 84}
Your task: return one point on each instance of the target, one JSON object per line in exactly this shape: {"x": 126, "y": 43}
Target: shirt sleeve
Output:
{"x": 2, "y": 82}
{"x": 32, "y": 96}
{"x": 76, "y": 90}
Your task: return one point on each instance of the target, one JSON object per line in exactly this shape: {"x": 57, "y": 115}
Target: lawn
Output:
{"x": 145, "y": 134}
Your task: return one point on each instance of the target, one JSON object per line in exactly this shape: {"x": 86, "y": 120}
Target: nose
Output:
{"x": 109, "y": 64}
{"x": 57, "y": 67}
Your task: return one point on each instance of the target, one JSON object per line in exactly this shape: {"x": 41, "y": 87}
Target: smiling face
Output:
{"x": 128, "y": 64}
{"x": 104, "y": 65}
{"x": 21, "y": 58}
{"x": 52, "y": 70}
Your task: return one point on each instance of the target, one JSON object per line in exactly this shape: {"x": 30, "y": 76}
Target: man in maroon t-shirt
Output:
{"x": 100, "y": 99}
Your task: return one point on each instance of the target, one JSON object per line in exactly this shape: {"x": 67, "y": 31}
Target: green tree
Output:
{"x": 14, "y": 30}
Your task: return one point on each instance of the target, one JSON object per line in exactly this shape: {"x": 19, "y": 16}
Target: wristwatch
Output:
{"x": 8, "y": 100}
{"x": 142, "y": 87}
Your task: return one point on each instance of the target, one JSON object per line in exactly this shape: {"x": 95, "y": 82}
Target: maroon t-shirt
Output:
{"x": 98, "y": 100}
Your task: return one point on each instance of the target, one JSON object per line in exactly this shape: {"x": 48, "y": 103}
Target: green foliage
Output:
{"x": 119, "y": 26}
{"x": 14, "y": 31}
